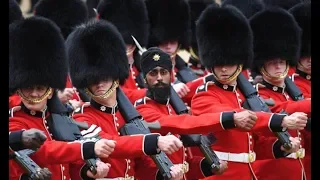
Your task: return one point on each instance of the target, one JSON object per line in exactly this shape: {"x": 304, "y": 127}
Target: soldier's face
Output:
{"x": 101, "y": 87}
{"x": 157, "y": 76}
{"x": 169, "y": 47}
{"x": 35, "y": 92}
{"x": 275, "y": 67}
{"x": 224, "y": 72}
{"x": 306, "y": 63}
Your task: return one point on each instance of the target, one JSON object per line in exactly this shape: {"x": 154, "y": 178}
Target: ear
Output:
{"x": 51, "y": 93}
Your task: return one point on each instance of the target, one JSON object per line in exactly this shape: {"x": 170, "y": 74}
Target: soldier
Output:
{"x": 67, "y": 14}
{"x": 170, "y": 31}
{"x": 277, "y": 38}
{"x": 302, "y": 77}
{"x": 98, "y": 64}
{"x": 37, "y": 66}
{"x": 225, "y": 60}
{"x": 131, "y": 19}
{"x": 248, "y": 8}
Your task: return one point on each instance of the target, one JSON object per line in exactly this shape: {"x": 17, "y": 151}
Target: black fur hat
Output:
{"x": 247, "y": 7}
{"x": 285, "y": 4}
{"x": 129, "y": 16}
{"x": 67, "y": 14}
{"x": 37, "y": 54}
{"x": 169, "y": 21}
{"x": 96, "y": 51}
{"x": 224, "y": 37}
{"x": 196, "y": 8}
{"x": 276, "y": 35}
{"x": 14, "y": 11}
{"x": 302, "y": 14}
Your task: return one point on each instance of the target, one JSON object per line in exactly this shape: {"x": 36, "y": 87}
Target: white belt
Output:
{"x": 297, "y": 155}
{"x": 118, "y": 178}
{"x": 237, "y": 157}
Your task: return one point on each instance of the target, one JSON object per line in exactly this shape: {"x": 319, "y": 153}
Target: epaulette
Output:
{"x": 204, "y": 87}
{"x": 141, "y": 101}
{"x": 79, "y": 110}
{"x": 259, "y": 85}
{"x": 292, "y": 77}
{"x": 207, "y": 78}
{"x": 13, "y": 109}
{"x": 185, "y": 55}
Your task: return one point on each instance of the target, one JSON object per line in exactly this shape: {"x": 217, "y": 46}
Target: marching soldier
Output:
{"x": 277, "y": 38}
{"x": 131, "y": 19}
{"x": 98, "y": 64}
{"x": 38, "y": 66}
{"x": 302, "y": 76}
{"x": 225, "y": 60}
{"x": 67, "y": 14}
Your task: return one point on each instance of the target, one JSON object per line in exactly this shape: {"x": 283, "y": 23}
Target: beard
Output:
{"x": 159, "y": 92}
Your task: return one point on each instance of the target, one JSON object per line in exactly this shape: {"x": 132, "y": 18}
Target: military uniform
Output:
{"x": 93, "y": 60}
{"x": 302, "y": 14}
{"x": 49, "y": 68}
{"x": 237, "y": 147}
{"x": 284, "y": 43}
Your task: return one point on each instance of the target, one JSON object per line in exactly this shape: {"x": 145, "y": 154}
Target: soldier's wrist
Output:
{"x": 88, "y": 150}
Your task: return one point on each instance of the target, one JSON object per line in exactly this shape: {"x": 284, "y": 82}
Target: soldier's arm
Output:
{"x": 126, "y": 146}
{"x": 193, "y": 85}
{"x": 57, "y": 152}
{"x": 185, "y": 123}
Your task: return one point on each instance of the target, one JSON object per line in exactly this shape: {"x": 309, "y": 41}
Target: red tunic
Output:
{"x": 54, "y": 155}
{"x": 153, "y": 111}
{"x": 212, "y": 98}
{"x": 283, "y": 168}
{"x": 303, "y": 81}
{"x": 14, "y": 100}
{"x": 128, "y": 148}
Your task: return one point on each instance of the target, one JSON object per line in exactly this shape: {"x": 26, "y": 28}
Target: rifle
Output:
{"x": 295, "y": 93}
{"x": 63, "y": 127}
{"x": 203, "y": 142}
{"x": 136, "y": 125}
{"x": 23, "y": 159}
{"x": 255, "y": 103}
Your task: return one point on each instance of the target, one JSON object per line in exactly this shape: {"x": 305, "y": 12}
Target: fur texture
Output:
{"x": 285, "y": 4}
{"x": 224, "y": 37}
{"x": 129, "y": 16}
{"x": 96, "y": 52}
{"x": 276, "y": 35}
{"x": 14, "y": 11}
{"x": 247, "y": 7}
{"x": 196, "y": 8}
{"x": 67, "y": 14}
{"x": 302, "y": 14}
{"x": 37, "y": 54}
{"x": 169, "y": 21}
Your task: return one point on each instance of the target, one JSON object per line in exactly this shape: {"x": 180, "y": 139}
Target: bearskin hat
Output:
{"x": 37, "y": 54}
{"x": 302, "y": 15}
{"x": 169, "y": 21}
{"x": 285, "y": 4}
{"x": 276, "y": 35}
{"x": 247, "y": 7}
{"x": 129, "y": 16}
{"x": 196, "y": 8}
{"x": 14, "y": 11}
{"x": 96, "y": 51}
{"x": 67, "y": 14}
{"x": 224, "y": 37}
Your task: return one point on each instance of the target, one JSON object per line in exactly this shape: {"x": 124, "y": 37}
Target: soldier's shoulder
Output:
{"x": 81, "y": 109}
{"x": 259, "y": 86}
{"x": 141, "y": 101}
{"x": 204, "y": 87}
{"x": 13, "y": 110}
